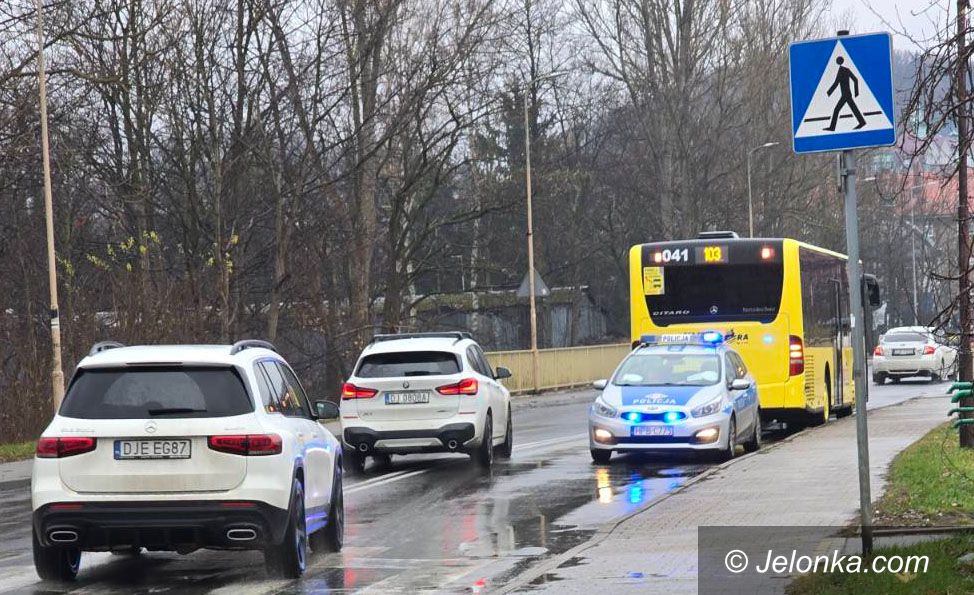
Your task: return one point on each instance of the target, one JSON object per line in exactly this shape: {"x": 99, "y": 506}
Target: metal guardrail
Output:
{"x": 559, "y": 368}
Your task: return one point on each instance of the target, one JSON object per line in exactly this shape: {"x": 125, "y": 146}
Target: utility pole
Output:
{"x": 963, "y": 213}
{"x": 57, "y": 374}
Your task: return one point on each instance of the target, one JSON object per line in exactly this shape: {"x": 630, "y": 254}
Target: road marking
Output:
{"x": 399, "y": 475}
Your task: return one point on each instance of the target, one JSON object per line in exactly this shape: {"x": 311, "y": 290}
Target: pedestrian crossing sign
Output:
{"x": 842, "y": 93}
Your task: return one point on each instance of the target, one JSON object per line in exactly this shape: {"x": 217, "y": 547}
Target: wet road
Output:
{"x": 420, "y": 523}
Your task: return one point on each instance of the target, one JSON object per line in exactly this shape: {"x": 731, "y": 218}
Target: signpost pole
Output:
{"x": 858, "y": 322}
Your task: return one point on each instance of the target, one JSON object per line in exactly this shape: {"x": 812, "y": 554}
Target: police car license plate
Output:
{"x": 652, "y": 431}
{"x": 410, "y": 398}
{"x": 152, "y": 449}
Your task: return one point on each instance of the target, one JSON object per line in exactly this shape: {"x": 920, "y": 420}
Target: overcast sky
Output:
{"x": 919, "y": 19}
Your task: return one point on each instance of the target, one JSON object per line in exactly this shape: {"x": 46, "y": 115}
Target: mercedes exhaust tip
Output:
{"x": 241, "y": 534}
{"x": 63, "y": 536}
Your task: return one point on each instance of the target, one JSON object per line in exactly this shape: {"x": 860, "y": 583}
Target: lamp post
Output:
{"x": 57, "y": 374}
{"x": 527, "y": 175}
{"x": 750, "y": 203}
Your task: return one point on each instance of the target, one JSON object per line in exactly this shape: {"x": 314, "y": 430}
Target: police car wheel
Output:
{"x": 601, "y": 457}
{"x": 731, "y": 450}
{"x": 754, "y": 444}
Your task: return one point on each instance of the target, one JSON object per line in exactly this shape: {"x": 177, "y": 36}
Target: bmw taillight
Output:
{"x": 350, "y": 391}
{"x": 252, "y": 445}
{"x": 58, "y": 448}
{"x": 467, "y": 386}
{"x": 878, "y": 350}
{"x": 796, "y": 356}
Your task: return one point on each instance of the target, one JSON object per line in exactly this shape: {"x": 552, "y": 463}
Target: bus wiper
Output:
{"x": 174, "y": 410}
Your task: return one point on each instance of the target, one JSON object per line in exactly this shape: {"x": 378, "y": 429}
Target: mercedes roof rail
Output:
{"x": 104, "y": 346}
{"x": 456, "y": 335}
{"x": 251, "y": 343}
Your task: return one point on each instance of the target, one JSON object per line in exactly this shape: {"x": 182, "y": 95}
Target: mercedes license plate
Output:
{"x": 409, "y": 398}
{"x": 652, "y": 431}
{"x": 152, "y": 449}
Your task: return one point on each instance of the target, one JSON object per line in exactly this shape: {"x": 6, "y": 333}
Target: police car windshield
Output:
{"x": 669, "y": 369}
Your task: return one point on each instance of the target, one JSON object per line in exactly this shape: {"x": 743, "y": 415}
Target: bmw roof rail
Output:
{"x": 250, "y": 344}
{"x": 104, "y": 346}
{"x": 456, "y": 335}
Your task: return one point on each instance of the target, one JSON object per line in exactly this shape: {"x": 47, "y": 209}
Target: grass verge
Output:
{"x": 944, "y": 574}
{"x": 16, "y": 451}
{"x": 930, "y": 484}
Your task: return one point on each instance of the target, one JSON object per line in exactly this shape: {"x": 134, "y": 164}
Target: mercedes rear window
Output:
{"x": 905, "y": 338}
{"x": 156, "y": 392}
{"x": 408, "y": 363}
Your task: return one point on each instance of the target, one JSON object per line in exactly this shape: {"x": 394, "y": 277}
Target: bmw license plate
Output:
{"x": 652, "y": 431}
{"x": 152, "y": 449}
{"x": 902, "y": 352}
{"x": 408, "y": 398}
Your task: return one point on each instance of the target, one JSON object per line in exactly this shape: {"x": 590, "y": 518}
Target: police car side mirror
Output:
{"x": 326, "y": 410}
{"x": 740, "y": 384}
{"x": 600, "y": 384}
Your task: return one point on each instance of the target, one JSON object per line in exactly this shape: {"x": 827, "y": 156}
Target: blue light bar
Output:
{"x": 706, "y": 338}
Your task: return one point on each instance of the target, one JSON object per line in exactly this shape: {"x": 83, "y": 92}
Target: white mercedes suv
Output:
{"x": 177, "y": 448}
{"x": 425, "y": 392}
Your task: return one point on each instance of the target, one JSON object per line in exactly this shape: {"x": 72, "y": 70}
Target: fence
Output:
{"x": 559, "y": 368}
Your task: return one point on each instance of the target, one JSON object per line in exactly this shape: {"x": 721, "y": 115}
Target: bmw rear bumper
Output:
{"x": 450, "y": 437}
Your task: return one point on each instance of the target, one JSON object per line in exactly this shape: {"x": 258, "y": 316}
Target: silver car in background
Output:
{"x": 912, "y": 351}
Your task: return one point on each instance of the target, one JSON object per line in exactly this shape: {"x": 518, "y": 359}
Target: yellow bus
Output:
{"x": 782, "y": 304}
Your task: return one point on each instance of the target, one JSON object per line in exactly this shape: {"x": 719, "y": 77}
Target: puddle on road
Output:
{"x": 455, "y": 525}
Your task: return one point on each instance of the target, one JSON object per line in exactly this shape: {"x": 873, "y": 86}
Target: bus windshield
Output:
{"x": 718, "y": 293}
{"x": 668, "y": 369}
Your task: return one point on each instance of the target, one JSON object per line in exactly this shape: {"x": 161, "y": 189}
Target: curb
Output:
{"x": 13, "y": 484}
{"x": 601, "y": 534}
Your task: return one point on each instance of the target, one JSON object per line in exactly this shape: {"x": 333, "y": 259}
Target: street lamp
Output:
{"x": 750, "y": 203}
{"x": 527, "y": 175}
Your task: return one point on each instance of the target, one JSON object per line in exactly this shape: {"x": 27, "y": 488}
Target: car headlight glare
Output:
{"x": 603, "y": 409}
{"x": 708, "y": 408}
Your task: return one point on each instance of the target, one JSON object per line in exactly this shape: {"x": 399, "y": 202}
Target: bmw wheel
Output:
{"x": 507, "y": 447}
{"x": 484, "y": 455}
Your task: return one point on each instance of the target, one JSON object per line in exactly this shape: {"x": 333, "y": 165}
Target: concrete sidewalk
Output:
{"x": 808, "y": 479}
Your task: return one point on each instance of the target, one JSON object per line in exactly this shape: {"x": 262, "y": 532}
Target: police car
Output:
{"x": 676, "y": 392}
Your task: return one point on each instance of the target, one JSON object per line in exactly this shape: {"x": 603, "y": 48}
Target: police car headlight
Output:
{"x": 708, "y": 408}
{"x": 600, "y": 407}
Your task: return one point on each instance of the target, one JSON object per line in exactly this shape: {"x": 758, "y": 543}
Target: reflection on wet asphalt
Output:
{"x": 432, "y": 522}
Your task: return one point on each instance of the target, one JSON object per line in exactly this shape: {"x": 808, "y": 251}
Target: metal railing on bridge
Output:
{"x": 559, "y": 368}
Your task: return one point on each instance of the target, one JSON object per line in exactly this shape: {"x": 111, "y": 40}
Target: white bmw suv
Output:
{"x": 177, "y": 448}
{"x": 425, "y": 392}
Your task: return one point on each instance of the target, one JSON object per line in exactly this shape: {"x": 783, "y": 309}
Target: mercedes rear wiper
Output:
{"x": 174, "y": 410}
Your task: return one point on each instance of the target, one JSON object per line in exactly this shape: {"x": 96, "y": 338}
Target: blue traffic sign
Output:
{"x": 842, "y": 93}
